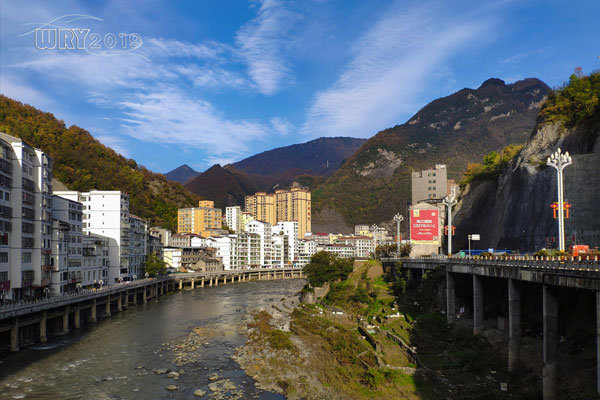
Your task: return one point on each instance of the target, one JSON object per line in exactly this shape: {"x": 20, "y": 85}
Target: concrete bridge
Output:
{"x": 549, "y": 273}
{"x": 31, "y": 318}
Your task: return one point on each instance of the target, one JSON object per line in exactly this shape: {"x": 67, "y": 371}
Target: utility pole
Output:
{"x": 559, "y": 161}
{"x": 450, "y": 201}
{"x": 398, "y": 218}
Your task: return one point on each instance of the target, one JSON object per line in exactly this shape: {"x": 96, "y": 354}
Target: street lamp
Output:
{"x": 449, "y": 201}
{"x": 560, "y": 161}
{"x": 374, "y": 228}
{"x": 398, "y": 218}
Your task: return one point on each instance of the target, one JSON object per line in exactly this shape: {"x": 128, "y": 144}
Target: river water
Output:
{"x": 115, "y": 358}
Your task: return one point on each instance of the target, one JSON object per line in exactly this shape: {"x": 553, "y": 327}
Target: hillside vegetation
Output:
{"x": 83, "y": 163}
{"x": 375, "y": 183}
{"x": 576, "y": 101}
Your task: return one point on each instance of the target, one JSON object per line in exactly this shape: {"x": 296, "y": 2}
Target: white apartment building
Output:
{"x": 106, "y": 213}
{"x": 363, "y": 246}
{"x": 263, "y": 230}
{"x": 306, "y": 249}
{"x": 137, "y": 247}
{"x": 233, "y": 219}
{"x": 95, "y": 260}
{"x": 172, "y": 257}
{"x": 340, "y": 250}
{"x": 248, "y": 250}
{"x": 25, "y": 219}
{"x": 279, "y": 246}
{"x": 288, "y": 229}
{"x": 66, "y": 245}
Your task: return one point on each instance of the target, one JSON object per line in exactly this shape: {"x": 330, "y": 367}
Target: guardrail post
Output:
{"x": 14, "y": 336}
{"x": 77, "y": 318}
{"x": 43, "y": 337}
{"x": 514, "y": 322}
{"x": 450, "y": 298}
{"x": 550, "y": 317}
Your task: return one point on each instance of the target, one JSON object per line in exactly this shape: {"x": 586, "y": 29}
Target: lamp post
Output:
{"x": 398, "y": 218}
{"x": 559, "y": 161}
{"x": 449, "y": 201}
{"x": 374, "y": 228}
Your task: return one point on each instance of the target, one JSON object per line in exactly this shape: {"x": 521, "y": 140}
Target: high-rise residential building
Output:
{"x": 25, "y": 219}
{"x": 67, "y": 253}
{"x": 233, "y": 219}
{"x": 262, "y": 206}
{"x": 263, "y": 230}
{"x": 204, "y": 220}
{"x": 95, "y": 260}
{"x": 137, "y": 246}
{"x": 430, "y": 184}
{"x": 283, "y": 205}
{"x": 106, "y": 213}
{"x": 247, "y": 217}
{"x": 289, "y": 231}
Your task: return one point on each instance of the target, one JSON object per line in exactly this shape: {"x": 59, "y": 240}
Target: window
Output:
{"x": 3, "y": 259}
{"x": 26, "y": 257}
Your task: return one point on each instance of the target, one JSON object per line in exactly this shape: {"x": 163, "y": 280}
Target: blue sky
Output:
{"x": 217, "y": 81}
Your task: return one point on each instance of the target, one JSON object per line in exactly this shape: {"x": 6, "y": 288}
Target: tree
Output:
{"x": 155, "y": 266}
{"x": 325, "y": 267}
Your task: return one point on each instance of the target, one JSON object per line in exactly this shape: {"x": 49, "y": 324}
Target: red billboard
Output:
{"x": 424, "y": 225}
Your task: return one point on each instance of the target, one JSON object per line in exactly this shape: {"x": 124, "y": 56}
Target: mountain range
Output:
{"x": 306, "y": 163}
{"x": 375, "y": 183}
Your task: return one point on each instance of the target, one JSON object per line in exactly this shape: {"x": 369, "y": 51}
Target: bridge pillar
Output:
{"x": 65, "y": 329}
{"x": 232, "y": 278}
{"x": 180, "y": 284}
{"x": 93, "y": 312}
{"x": 43, "y": 337}
{"x": 450, "y": 298}
{"x": 14, "y": 336}
{"x": 216, "y": 281}
{"x": 598, "y": 341}
{"x": 77, "y": 318}
{"x": 210, "y": 282}
{"x": 549, "y": 372}
{"x": 193, "y": 283}
{"x": 514, "y": 322}
{"x": 135, "y": 297}
{"x": 477, "y": 305}
{"x": 259, "y": 275}
{"x": 225, "y": 280}
{"x": 144, "y": 295}
{"x": 120, "y": 303}
{"x": 107, "y": 309}
{"x": 202, "y": 282}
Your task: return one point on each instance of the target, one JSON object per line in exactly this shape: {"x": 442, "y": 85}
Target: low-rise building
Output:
{"x": 172, "y": 257}
{"x": 364, "y": 246}
{"x": 340, "y": 250}
{"x": 306, "y": 249}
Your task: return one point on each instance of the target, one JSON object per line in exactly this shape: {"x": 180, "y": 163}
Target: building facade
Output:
{"x": 95, "y": 260}
{"x": 67, "y": 247}
{"x": 262, "y": 206}
{"x": 430, "y": 184}
{"x": 233, "y": 219}
{"x": 25, "y": 219}
{"x": 263, "y": 230}
{"x": 203, "y": 220}
{"x": 283, "y": 205}
{"x": 106, "y": 213}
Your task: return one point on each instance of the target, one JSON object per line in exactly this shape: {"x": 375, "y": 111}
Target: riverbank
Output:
{"x": 363, "y": 343}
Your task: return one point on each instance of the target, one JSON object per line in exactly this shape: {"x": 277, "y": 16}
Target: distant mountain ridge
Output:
{"x": 375, "y": 182}
{"x": 307, "y": 163}
{"x": 182, "y": 174}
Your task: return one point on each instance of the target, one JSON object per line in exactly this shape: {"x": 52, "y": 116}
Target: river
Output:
{"x": 116, "y": 358}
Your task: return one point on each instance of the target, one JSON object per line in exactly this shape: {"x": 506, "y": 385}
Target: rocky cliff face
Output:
{"x": 513, "y": 211}
{"x": 375, "y": 183}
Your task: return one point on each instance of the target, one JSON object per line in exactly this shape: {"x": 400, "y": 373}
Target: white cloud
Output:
{"x": 262, "y": 42}
{"x": 116, "y": 143}
{"x": 172, "y": 117}
{"x": 281, "y": 125}
{"x": 13, "y": 87}
{"x": 391, "y": 64}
